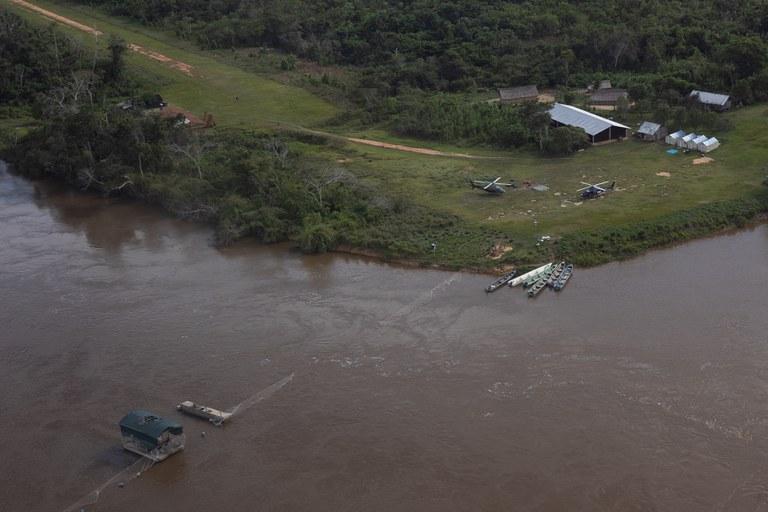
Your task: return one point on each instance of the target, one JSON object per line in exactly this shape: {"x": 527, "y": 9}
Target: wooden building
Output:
{"x": 521, "y": 94}
{"x": 608, "y": 97}
{"x": 651, "y": 131}
{"x": 711, "y": 100}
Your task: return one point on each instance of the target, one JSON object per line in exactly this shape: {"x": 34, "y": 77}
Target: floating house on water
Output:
{"x": 651, "y": 131}
{"x": 709, "y": 145}
{"x": 151, "y": 436}
{"x": 598, "y": 128}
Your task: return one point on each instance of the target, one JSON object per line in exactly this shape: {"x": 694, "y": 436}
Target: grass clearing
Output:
{"x": 651, "y": 185}
{"x": 214, "y": 86}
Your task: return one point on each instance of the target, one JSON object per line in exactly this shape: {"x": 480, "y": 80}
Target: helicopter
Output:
{"x": 492, "y": 187}
{"x": 595, "y": 190}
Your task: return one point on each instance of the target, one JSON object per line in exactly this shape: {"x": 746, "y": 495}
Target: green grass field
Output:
{"x": 440, "y": 183}
{"x": 261, "y": 102}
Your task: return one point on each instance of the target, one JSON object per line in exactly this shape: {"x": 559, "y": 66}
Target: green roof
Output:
{"x": 149, "y": 424}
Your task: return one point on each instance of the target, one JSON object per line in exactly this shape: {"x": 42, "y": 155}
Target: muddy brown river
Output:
{"x": 642, "y": 386}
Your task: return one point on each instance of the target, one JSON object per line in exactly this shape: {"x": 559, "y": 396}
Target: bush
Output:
{"x": 565, "y": 140}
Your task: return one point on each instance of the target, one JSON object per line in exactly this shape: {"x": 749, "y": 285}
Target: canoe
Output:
{"x": 539, "y": 285}
{"x": 537, "y": 275}
{"x": 563, "y": 279}
{"x": 522, "y": 278}
{"x": 500, "y": 281}
{"x": 556, "y": 273}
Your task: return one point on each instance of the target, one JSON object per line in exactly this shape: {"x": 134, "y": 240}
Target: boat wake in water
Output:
{"x": 260, "y": 396}
{"x": 422, "y": 300}
{"x": 123, "y": 477}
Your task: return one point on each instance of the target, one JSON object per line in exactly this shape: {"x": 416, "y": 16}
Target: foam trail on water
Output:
{"x": 261, "y": 395}
{"x": 131, "y": 472}
{"x": 423, "y": 299}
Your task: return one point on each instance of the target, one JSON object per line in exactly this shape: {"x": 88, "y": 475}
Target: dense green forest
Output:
{"x": 653, "y": 47}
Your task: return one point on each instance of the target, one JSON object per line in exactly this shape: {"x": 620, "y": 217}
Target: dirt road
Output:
{"x": 188, "y": 70}
{"x": 57, "y": 18}
{"x": 159, "y": 57}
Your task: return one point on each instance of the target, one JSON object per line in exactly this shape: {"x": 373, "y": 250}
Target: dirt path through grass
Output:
{"x": 189, "y": 70}
{"x": 58, "y": 18}
{"x": 173, "y": 63}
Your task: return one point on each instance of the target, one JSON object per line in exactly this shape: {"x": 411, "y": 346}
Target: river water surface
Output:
{"x": 642, "y": 386}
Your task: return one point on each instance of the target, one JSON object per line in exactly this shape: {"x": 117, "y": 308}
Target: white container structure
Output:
{"x": 683, "y": 143}
{"x": 672, "y": 138}
{"x": 709, "y": 145}
{"x": 694, "y": 144}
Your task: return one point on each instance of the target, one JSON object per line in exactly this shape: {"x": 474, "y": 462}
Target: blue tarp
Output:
{"x": 672, "y": 151}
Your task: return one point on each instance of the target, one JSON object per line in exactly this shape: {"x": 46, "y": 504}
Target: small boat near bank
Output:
{"x": 541, "y": 283}
{"x": 557, "y": 271}
{"x": 530, "y": 277}
{"x": 563, "y": 279}
{"x": 215, "y": 416}
{"x": 501, "y": 281}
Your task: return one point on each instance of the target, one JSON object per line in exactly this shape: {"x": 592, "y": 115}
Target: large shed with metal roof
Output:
{"x": 711, "y": 100}
{"x": 598, "y": 128}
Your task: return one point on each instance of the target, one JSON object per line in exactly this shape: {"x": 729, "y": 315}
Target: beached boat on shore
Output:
{"x": 501, "y": 281}
{"x": 563, "y": 279}
{"x": 523, "y": 278}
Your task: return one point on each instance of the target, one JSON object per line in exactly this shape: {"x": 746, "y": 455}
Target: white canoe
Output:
{"x": 521, "y": 279}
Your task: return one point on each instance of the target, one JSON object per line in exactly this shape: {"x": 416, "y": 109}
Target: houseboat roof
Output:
{"x": 149, "y": 424}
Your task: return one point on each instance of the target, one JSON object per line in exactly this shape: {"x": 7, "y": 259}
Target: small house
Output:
{"x": 512, "y": 95}
{"x": 608, "y": 97}
{"x": 709, "y": 145}
{"x": 651, "y": 131}
{"x": 672, "y": 138}
{"x": 683, "y": 143}
{"x": 151, "y": 436}
{"x": 711, "y": 100}
{"x": 694, "y": 144}
{"x": 599, "y": 129}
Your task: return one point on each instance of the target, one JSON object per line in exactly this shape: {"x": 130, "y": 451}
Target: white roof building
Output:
{"x": 598, "y": 128}
{"x": 683, "y": 142}
{"x": 672, "y": 138}
{"x": 709, "y": 145}
{"x": 718, "y": 101}
{"x": 694, "y": 144}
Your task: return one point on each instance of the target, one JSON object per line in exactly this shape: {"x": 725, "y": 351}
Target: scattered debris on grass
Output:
{"x": 499, "y": 250}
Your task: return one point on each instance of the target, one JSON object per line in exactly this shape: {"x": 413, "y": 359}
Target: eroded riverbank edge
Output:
{"x": 685, "y": 226}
